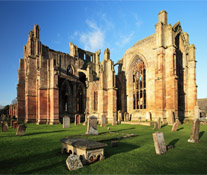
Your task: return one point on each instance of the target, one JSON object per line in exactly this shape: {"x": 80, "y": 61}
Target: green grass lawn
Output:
{"x": 38, "y": 152}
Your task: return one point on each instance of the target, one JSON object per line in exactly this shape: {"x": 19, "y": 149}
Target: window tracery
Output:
{"x": 139, "y": 85}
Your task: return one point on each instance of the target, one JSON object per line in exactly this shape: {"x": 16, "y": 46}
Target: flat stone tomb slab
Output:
{"x": 88, "y": 150}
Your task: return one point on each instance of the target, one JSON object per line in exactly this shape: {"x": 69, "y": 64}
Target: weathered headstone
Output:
{"x": 196, "y": 111}
{"x": 175, "y": 126}
{"x": 155, "y": 125}
{"x": 159, "y": 143}
{"x": 126, "y": 116}
{"x": 21, "y": 130}
{"x": 15, "y": 125}
{"x": 4, "y": 127}
{"x": 148, "y": 116}
{"x": 77, "y": 119}
{"x": 103, "y": 120}
{"x": 73, "y": 162}
{"x": 66, "y": 122}
{"x": 92, "y": 126}
{"x": 119, "y": 116}
{"x": 159, "y": 123}
{"x": 114, "y": 122}
{"x": 194, "y": 136}
{"x": 170, "y": 117}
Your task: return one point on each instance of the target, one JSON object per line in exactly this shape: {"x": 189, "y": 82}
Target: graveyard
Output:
{"x": 38, "y": 151}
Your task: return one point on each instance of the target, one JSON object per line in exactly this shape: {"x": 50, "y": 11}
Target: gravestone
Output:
{"x": 21, "y": 130}
{"x": 170, "y": 117}
{"x": 194, "y": 136}
{"x": 92, "y": 126}
{"x": 159, "y": 123}
{"x": 119, "y": 116}
{"x": 155, "y": 125}
{"x": 148, "y": 116}
{"x": 4, "y": 127}
{"x": 114, "y": 122}
{"x": 126, "y": 116}
{"x": 73, "y": 162}
{"x": 159, "y": 143}
{"x": 103, "y": 120}
{"x": 175, "y": 126}
{"x": 15, "y": 125}
{"x": 114, "y": 143}
{"x": 66, "y": 122}
{"x": 77, "y": 119}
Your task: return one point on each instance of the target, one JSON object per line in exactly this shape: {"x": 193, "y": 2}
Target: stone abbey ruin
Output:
{"x": 156, "y": 77}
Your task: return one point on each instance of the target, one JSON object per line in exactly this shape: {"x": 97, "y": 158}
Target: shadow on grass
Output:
{"x": 180, "y": 129}
{"x": 44, "y": 168}
{"x": 121, "y": 148}
{"x": 163, "y": 126}
{"x": 20, "y": 161}
{"x": 201, "y": 134}
{"x": 49, "y": 132}
{"x": 173, "y": 142}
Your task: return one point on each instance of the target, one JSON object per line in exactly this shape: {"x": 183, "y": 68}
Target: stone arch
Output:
{"x": 134, "y": 98}
{"x": 66, "y": 98}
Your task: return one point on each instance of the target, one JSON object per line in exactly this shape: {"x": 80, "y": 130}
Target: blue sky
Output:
{"x": 93, "y": 25}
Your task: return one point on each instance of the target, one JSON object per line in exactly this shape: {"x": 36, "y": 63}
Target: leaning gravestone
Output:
{"x": 92, "y": 126}
{"x": 4, "y": 127}
{"x": 194, "y": 136}
{"x": 159, "y": 143}
{"x": 66, "y": 122}
{"x": 73, "y": 162}
{"x": 148, "y": 116}
{"x": 21, "y": 130}
{"x": 175, "y": 126}
{"x": 77, "y": 119}
{"x": 103, "y": 120}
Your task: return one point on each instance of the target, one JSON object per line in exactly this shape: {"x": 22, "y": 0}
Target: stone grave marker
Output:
{"x": 77, "y": 119}
{"x": 21, "y": 130}
{"x": 15, "y": 125}
{"x": 66, "y": 122}
{"x": 159, "y": 123}
{"x": 170, "y": 117}
{"x": 159, "y": 143}
{"x": 114, "y": 122}
{"x": 155, "y": 125}
{"x": 103, "y": 120}
{"x": 119, "y": 116}
{"x": 73, "y": 162}
{"x": 126, "y": 116}
{"x": 194, "y": 136}
{"x": 148, "y": 116}
{"x": 4, "y": 127}
{"x": 175, "y": 126}
{"x": 92, "y": 126}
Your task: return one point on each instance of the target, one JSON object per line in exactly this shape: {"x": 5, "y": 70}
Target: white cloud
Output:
{"x": 124, "y": 39}
{"x": 138, "y": 20}
{"x": 93, "y": 39}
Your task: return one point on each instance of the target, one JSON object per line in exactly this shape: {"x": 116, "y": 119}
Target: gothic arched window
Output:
{"x": 69, "y": 70}
{"x": 139, "y": 85}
